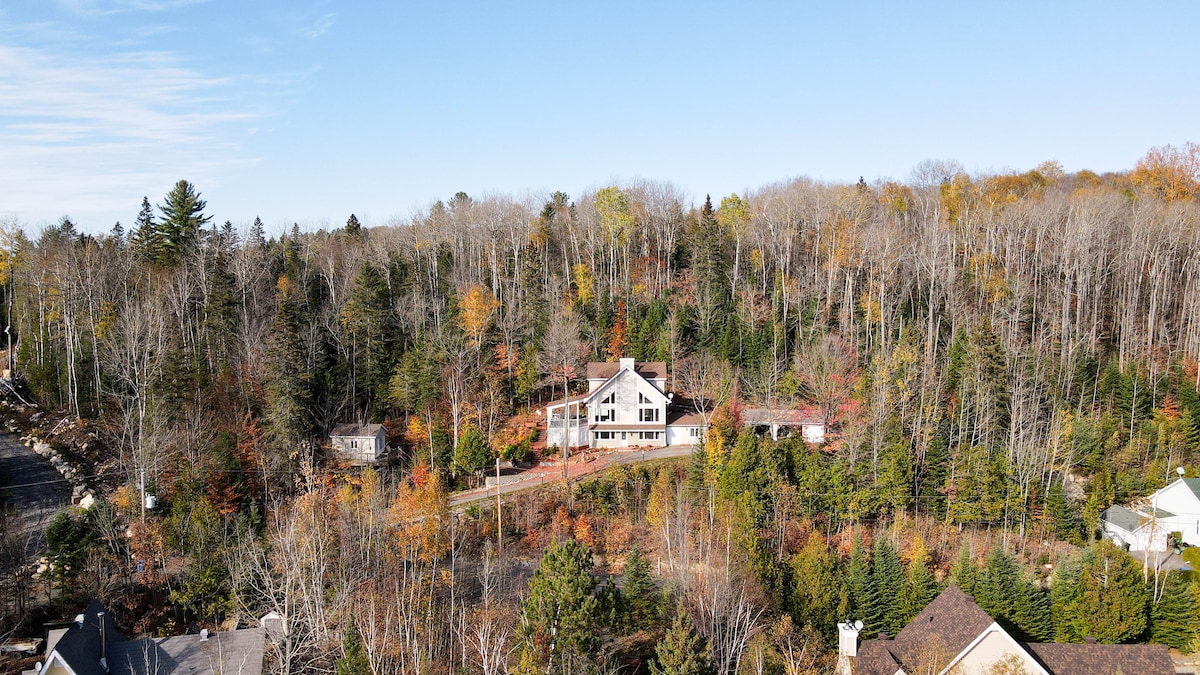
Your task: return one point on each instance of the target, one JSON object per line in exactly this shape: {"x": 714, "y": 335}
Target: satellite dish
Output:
{"x": 858, "y": 625}
{"x": 1180, "y": 470}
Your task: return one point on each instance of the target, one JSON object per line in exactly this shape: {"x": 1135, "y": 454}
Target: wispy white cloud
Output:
{"x": 81, "y": 134}
{"x": 95, "y": 8}
{"x": 320, "y": 27}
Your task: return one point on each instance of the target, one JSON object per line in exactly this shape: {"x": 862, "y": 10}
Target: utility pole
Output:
{"x": 499, "y": 520}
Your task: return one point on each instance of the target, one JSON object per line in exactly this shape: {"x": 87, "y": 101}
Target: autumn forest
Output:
{"x": 997, "y": 360}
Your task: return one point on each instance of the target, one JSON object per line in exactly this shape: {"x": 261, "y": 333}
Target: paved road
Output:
{"x": 32, "y": 488}
{"x": 548, "y": 475}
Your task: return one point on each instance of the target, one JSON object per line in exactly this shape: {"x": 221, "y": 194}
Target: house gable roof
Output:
{"x": 616, "y": 377}
{"x": 952, "y": 621}
{"x": 952, "y": 624}
{"x": 602, "y": 370}
{"x": 1193, "y": 485}
{"x": 239, "y": 651}
{"x": 79, "y": 648}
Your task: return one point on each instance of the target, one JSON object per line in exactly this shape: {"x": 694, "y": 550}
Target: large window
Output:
{"x": 648, "y": 414}
{"x": 605, "y": 435}
{"x": 648, "y": 435}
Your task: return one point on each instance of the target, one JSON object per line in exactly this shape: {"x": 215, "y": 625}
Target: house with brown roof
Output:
{"x": 627, "y": 404}
{"x": 954, "y": 636}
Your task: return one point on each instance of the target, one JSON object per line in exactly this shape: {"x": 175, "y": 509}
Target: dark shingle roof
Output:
{"x": 237, "y": 652}
{"x": 875, "y": 659}
{"x": 600, "y": 370}
{"x": 80, "y": 645}
{"x": 1094, "y": 659}
{"x": 952, "y": 621}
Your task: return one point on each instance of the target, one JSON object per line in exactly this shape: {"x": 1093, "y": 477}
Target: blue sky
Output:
{"x": 306, "y": 111}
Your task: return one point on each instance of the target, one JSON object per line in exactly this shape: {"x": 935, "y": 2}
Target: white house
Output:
{"x": 1146, "y": 524}
{"x": 626, "y": 405}
{"x": 359, "y": 443}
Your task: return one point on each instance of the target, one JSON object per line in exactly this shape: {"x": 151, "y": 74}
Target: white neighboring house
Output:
{"x": 359, "y": 443}
{"x": 626, "y": 405}
{"x": 1146, "y": 525}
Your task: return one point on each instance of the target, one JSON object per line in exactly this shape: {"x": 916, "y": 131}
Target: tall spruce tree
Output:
{"x": 681, "y": 651}
{"x": 888, "y": 585}
{"x": 641, "y": 596}
{"x": 1175, "y": 618}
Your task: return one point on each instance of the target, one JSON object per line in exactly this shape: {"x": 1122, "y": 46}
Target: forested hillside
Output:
{"x": 999, "y": 358}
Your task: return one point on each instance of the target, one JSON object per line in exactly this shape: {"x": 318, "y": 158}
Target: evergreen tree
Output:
{"x": 963, "y": 572}
{"x": 558, "y": 618}
{"x": 353, "y": 227}
{"x": 257, "y": 237}
{"x": 1031, "y": 613}
{"x": 354, "y": 657}
{"x": 888, "y": 586}
{"x": 817, "y": 588}
{"x": 860, "y": 600}
{"x": 146, "y": 240}
{"x": 641, "y": 596}
{"x": 1175, "y": 618}
{"x": 473, "y": 455}
{"x": 1103, "y": 597}
{"x": 183, "y": 216}
{"x": 681, "y": 651}
{"x": 996, "y": 587}
{"x": 1068, "y": 525}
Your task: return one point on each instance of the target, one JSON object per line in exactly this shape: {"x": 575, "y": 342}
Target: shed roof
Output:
{"x": 785, "y": 416}
{"x": 355, "y": 430}
{"x": 1121, "y": 517}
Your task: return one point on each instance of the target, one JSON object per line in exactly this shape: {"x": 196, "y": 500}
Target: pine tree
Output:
{"x": 558, "y": 618}
{"x": 996, "y": 587}
{"x": 963, "y": 572}
{"x": 1103, "y": 597}
{"x": 353, "y": 227}
{"x": 354, "y": 658}
{"x": 183, "y": 216}
{"x": 1031, "y": 613}
{"x": 888, "y": 585}
{"x": 640, "y": 594}
{"x": 860, "y": 602}
{"x": 146, "y": 239}
{"x": 681, "y": 651}
{"x": 1175, "y": 618}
